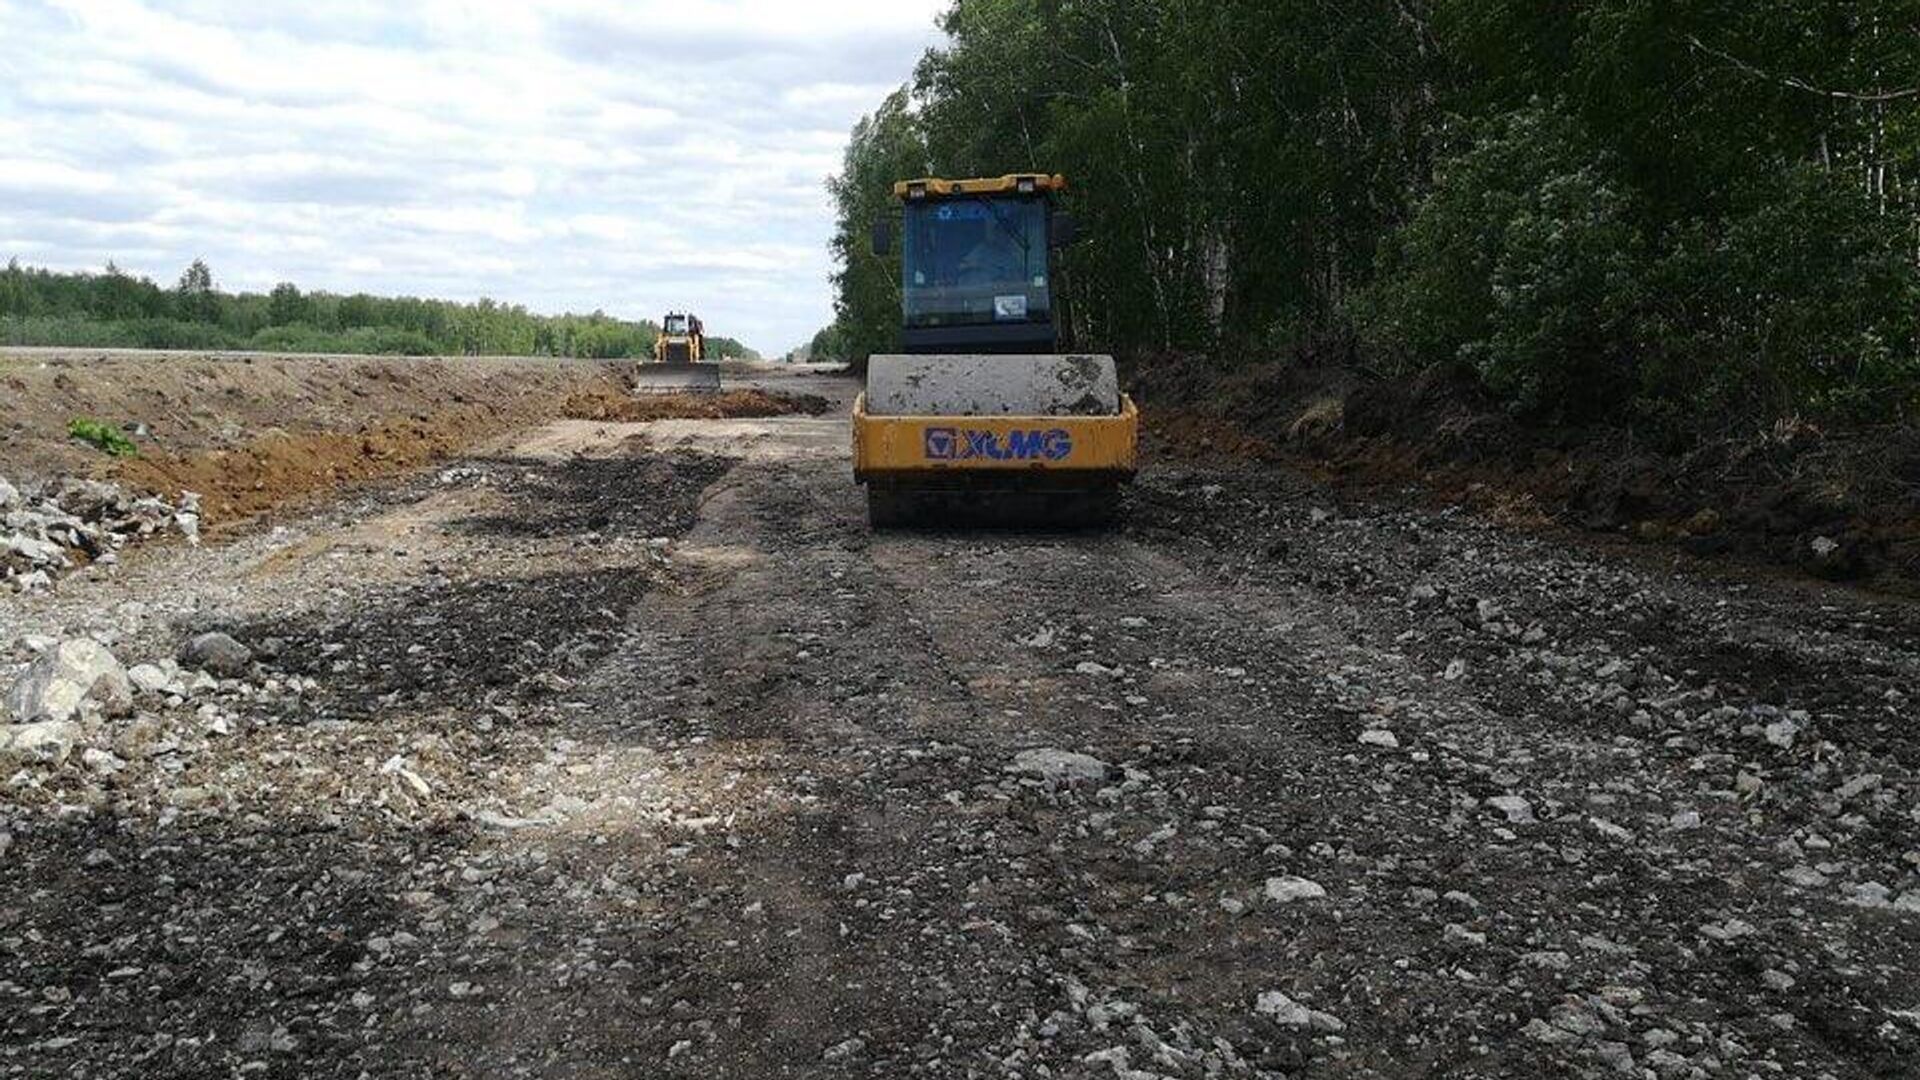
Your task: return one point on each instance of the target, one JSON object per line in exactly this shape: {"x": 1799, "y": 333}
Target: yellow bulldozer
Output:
{"x": 981, "y": 418}
{"x": 679, "y": 364}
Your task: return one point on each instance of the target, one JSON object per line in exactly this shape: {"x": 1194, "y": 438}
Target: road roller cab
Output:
{"x": 981, "y": 417}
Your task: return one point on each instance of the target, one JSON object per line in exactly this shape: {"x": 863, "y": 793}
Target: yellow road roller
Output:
{"x": 981, "y": 418}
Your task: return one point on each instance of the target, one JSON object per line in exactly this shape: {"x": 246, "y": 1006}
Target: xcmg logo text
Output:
{"x": 960, "y": 444}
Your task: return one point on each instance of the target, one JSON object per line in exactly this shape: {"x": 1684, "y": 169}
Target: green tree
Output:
{"x": 887, "y": 146}
{"x": 1522, "y": 266}
{"x": 16, "y": 295}
{"x": 115, "y": 309}
{"x": 115, "y": 295}
{"x": 356, "y": 310}
{"x": 194, "y": 296}
{"x": 286, "y": 306}
{"x": 827, "y": 345}
{"x": 1615, "y": 205}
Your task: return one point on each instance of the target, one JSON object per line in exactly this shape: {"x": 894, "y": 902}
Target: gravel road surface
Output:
{"x": 626, "y": 750}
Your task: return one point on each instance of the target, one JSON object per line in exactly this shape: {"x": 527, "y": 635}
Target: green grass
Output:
{"x": 104, "y": 437}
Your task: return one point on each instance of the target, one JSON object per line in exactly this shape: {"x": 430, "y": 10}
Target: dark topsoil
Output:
{"x": 1842, "y": 505}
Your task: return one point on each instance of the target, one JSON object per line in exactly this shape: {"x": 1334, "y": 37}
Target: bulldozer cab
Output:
{"x": 679, "y": 361}
{"x": 977, "y": 272}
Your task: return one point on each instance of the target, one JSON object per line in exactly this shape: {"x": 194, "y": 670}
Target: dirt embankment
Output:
{"x": 251, "y": 432}
{"x": 1837, "y": 505}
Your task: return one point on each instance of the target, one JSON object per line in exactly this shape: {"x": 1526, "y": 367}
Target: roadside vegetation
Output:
{"x": 1658, "y": 216}
{"x": 104, "y": 437}
{"x": 115, "y": 309}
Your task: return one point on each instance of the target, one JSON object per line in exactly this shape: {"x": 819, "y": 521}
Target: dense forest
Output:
{"x": 116, "y": 310}
{"x": 1603, "y": 210}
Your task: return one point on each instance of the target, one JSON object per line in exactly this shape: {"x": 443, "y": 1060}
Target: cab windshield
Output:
{"x": 676, "y": 324}
{"x": 970, "y": 261}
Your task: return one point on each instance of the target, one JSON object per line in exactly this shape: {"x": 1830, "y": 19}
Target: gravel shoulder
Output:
{"x": 626, "y": 749}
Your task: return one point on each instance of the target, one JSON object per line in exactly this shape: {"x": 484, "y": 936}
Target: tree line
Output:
{"x": 1605, "y": 209}
{"x": 114, "y": 309}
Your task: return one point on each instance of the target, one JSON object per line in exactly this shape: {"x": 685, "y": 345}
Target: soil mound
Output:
{"x": 252, "y": 432}
{"x": 283, "y": 467}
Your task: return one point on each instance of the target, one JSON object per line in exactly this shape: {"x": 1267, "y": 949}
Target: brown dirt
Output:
{"x": 198, "y": 403}
{"x": 1840, "y": 505}
{"x": 255, "y": 433}
{"x": 279, "y": 469}
{"x": 282, "y": 469}
{"x": 617, "y": 406}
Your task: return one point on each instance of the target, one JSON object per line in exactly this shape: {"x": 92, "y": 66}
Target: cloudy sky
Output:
{"x": 564, "y": 154}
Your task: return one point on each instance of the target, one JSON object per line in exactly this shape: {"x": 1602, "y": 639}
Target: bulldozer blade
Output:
{"x": 700, "y": 378}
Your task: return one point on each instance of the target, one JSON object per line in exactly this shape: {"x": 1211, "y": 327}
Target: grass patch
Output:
{"x": 103, "y": 437}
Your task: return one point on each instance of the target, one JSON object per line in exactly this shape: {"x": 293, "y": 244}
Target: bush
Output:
{"x": 1803, "y": 300}
{"x": 176, "y": 334}
{"x": 292, "y": 339}
{"x": 388, "y": 341}
{"x": 1528, "y": 266}
{"x": 1522, "y": 265}
{"x": 102, "y": 436}
{"x": 363, "y": 340}
{"x": 605, "y": 341}
{"x": 41, "y": 307}
{"x": 59, "y": 331}
{"x": 82, "y": 332}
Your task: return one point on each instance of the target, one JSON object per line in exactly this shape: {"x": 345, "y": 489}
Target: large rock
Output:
{"x": 141, "y": 739}
{"x": 46, "y": 743}
{"x": 1062, "y": 767}
{"x": 1287, "y": 1012}
{"x": 38, "y": 552}
{"x": 64, "y": 676}
{"x": 1836, "y": 560}
{"x": 1288, "y": 888}
{"x": 1518, "y": 810}
{"x": 149, "y": 679}
{"x": 217, "y": 653}
{"x": 77, "y": 521}
{"x": 162, "y": 679}
{"x": 89, "y": 500}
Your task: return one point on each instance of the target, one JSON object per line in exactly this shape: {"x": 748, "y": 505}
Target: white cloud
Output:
{"x": 567, "y": 154}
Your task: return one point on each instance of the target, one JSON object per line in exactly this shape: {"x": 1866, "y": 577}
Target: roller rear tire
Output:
{"x": 887, "y": 508}
{"x": 1012, "y": 508}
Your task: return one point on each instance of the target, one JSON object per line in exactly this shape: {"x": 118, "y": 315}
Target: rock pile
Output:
{"x": 73, "y": 522}
{"x": 76, "y": 716}
{"x": 73, "y": 683}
